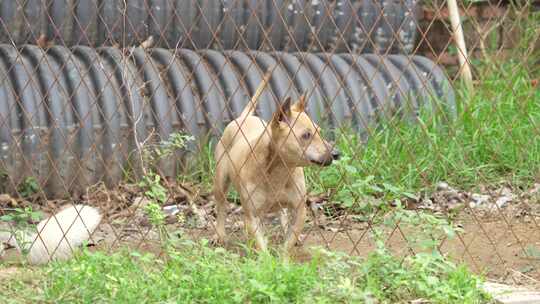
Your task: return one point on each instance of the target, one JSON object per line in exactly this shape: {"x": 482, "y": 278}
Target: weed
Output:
{"x": 390, "y": 279}
{"x": 200, "y": 167}
{"x": 157, "y": 195}
{"x": 157, "y": 218}
{"x": 29, "y": 187}
{"x": 22, "y": 216}
{"x": 21, "y": 221}
{"x": 154, "y": 191}
{"x": 154, "y": 153}
{"x": 429, "y": 230}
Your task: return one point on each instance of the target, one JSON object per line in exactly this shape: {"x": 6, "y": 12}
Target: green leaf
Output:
{"x": 7, "y": 218}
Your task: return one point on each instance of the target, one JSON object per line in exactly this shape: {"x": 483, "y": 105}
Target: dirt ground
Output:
{"x": 499, "y": 247}
{"x": 502, "y": 244}
{"x": 491, "y": 248}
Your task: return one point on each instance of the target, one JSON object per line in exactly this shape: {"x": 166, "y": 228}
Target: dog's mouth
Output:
{"x": 322, "y": 162}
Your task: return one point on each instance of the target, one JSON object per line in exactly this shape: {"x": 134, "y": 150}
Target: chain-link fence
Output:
{"x": 121, "y": 105}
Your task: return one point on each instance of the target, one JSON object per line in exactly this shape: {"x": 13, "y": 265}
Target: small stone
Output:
{"x": 454, "y": 204}
{"x": 331, "y": 229}
{"x": 507, "y": 294}
{"x": 171, "y": 210}
{"x": 7, "y": 200}
{"x": 479, "y": 199}
{"x": 534, "y": 190}
{"x": 507, "y": 192}
{"x": 503, "y": 201}
{"x": 442, "y": 186}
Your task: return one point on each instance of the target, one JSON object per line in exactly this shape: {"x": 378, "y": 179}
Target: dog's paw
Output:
{"x": 216, "y": 241}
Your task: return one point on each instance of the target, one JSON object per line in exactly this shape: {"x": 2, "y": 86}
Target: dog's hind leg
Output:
{"x": 221, "y": 187}
{"x": 284, "y": 220}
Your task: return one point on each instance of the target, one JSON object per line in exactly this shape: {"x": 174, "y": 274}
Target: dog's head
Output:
{"x": 297, "y": 138}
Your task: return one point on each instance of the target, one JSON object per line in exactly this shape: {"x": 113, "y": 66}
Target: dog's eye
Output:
{"x": 306, "y": 136}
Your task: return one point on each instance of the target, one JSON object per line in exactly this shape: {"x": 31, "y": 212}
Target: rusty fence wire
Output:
{"x": 121, "y": 104}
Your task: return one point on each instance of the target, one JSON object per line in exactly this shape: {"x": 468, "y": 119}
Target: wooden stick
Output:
{"x": 459, "y": 38}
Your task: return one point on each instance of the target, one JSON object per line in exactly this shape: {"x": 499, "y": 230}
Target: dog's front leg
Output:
{"x": 255, "y": 229}
{"x": 296, "y": 227}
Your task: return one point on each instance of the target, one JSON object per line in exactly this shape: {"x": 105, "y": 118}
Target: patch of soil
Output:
{"x": 8, "y": 273}
{"x": 494, "y": 248}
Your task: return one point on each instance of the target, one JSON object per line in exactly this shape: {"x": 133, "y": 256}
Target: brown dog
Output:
{"x": 265, "y": 165}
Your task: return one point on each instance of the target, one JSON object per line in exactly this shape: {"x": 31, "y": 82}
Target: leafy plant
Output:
{"x": 157, "y": 218}
{"x": 427, "y": 229}
{"x": 154, "y": 190}
{"x": 347, "y": 180}
{"x": 22, "y": 216}
{"x": 176, "y": 141}
{"x": 200, "y": 167}
{"x": 157, "y": 196}
{"x": 391, "y": 279}
{"x": 21, "y": 221}
{"x": 29, "y": 187}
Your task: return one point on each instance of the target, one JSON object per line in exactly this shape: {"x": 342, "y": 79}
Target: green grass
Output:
{"x": 200, "y": 166}
{"x": 491, "y": 141}
{"x": 195, "y": 273}
{"x": 191, "y": 272}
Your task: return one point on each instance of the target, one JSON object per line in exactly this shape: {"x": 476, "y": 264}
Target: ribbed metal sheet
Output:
{"x": 359, "y": 26}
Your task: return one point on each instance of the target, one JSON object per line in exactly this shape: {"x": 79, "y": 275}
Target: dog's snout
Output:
{"x": 336, "y": 154}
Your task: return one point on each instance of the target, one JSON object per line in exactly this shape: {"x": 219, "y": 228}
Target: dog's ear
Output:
{"x": 300, "y": 105}
{"x": 283, "y": 113}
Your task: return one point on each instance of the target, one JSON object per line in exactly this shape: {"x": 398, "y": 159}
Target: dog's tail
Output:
{"x": 252, "y": 105}
{"x": 58, "y": 236}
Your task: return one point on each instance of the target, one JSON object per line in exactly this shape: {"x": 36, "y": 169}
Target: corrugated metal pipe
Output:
{"x": 271, "y": 25}
{"x": 71, "y": 118}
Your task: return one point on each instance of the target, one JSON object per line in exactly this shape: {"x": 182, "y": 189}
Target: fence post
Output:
{"x": 465, "y": 68}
